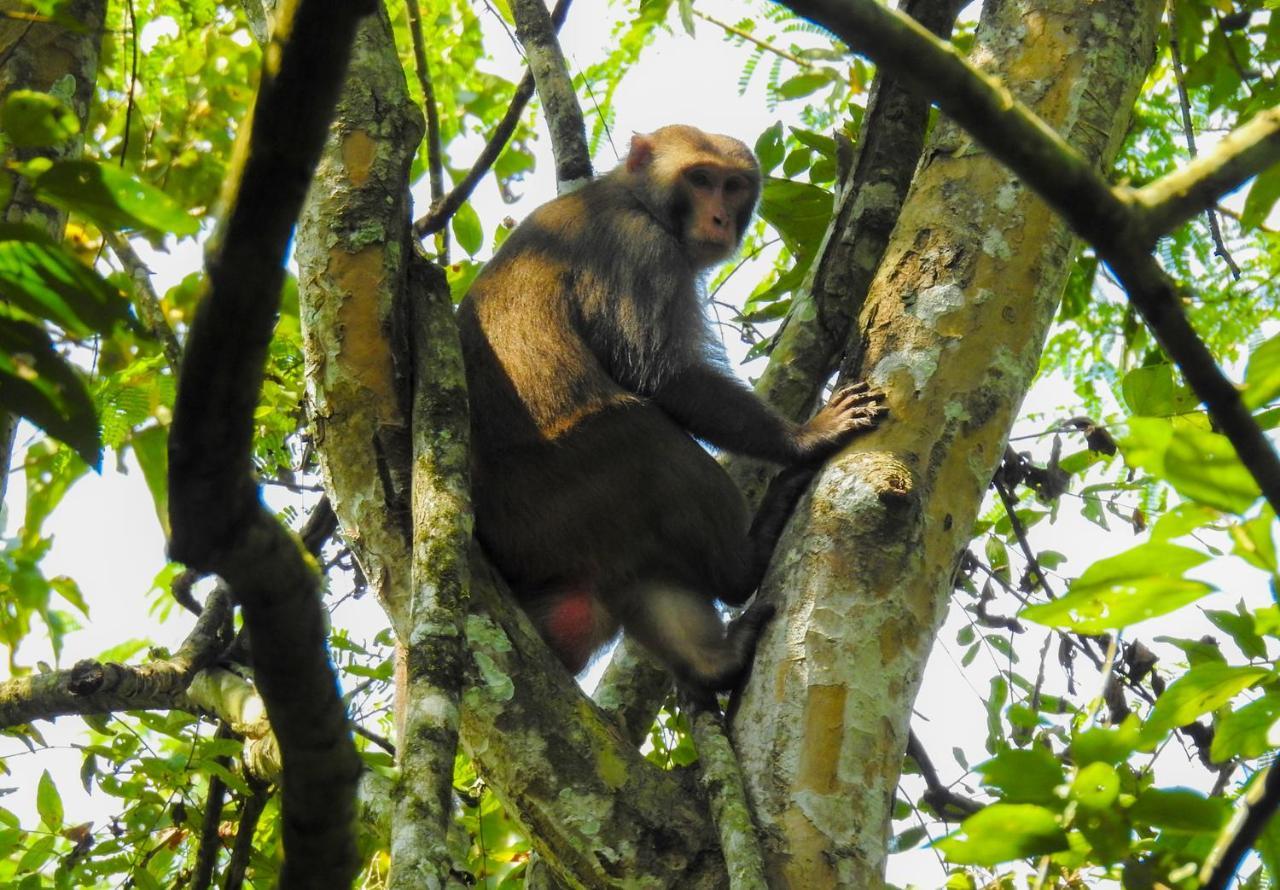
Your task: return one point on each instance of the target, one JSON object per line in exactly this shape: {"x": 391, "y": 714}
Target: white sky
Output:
{"x": 107, "y": 537}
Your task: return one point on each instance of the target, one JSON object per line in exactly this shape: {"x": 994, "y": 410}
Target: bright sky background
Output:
{"x": 108, "y": 539}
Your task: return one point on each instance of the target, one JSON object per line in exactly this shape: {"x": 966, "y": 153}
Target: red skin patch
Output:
{"x": 571, "y": 627}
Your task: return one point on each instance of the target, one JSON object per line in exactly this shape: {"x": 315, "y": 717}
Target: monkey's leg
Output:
{"x": 775, "y": 509}
{"x": 683, "y": 628}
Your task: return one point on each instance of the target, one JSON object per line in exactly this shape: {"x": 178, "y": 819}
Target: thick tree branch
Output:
{"x": 1259, "y": 807}
{"x": 440, "y": 577}
{"x": 597, "y": 812}
{"x": 442, "y": 211}
{"x": 219, "y": 524}
{"x": 537, "y": 34}
{"x": 1068, "y": 182}
{"x": 819, "y": 330}
{"x": 94, "y": 687}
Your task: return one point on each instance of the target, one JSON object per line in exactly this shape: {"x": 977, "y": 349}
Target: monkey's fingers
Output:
{"x": 860, "y": 393}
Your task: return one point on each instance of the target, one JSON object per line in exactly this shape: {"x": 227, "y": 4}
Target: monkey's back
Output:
{"x": 576, "y": 474}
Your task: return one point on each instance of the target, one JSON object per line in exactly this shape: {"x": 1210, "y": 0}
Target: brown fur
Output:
{"x": 591, "y": 368}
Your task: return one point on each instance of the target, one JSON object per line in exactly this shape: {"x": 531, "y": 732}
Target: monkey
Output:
{"x": 594, "y": 374}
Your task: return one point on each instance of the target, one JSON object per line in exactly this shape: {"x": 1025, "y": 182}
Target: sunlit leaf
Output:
{"x": 44, "y": 279}
{"x": 1002, "y": 832}
{"x": 1132, "y": 586}
{"x": 30, "y": 118}
{"x": 38, "y": 384}
{"x": 1024, "y": 776}
{"x": 49, "y": 802}
{"x": 467, "y": 229}
{"x": 1203, "y": 688}
{"x": 1246, "y": 731}
{"x": 113, "y": 199}
{"x": 1179, "y": 809}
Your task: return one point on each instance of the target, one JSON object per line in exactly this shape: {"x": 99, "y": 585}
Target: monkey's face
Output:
{"x": 719, "y": 202}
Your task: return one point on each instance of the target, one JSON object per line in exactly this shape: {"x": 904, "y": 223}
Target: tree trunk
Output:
{"x": 952, "y": 328}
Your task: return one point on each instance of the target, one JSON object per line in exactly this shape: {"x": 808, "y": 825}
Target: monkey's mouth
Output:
{"x": 706, "y": 251}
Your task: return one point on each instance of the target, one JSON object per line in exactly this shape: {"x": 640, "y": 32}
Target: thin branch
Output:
{"x": 1242, "y": 154}
{"x": 555, "y": 89}
{"x": 942, "y": 800}
{"x": 720, "y": 776}
{"x": 442, "y": 211}
{"x": 435, "y": 163}
{"x": 380, "y": 740}
{"x": 1238, "y": 837}
{"x": 146, "y": 301}
{"x": 210, "y": 840}
{"x": 1188, "y": 131}
{"x": 751, "y": 38}
{"x": 250, "y": 813}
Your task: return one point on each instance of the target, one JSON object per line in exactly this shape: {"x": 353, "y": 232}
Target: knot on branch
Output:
{"x": 87, "y": 677}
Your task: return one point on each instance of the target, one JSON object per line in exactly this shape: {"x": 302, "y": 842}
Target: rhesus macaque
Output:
{"x": 592, "y": 372}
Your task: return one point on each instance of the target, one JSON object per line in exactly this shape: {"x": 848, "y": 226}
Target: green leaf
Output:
{"x": 1204, "y": 467}
{"x": 113, "y": 199}
{"x": 1179, "y": 809}
{"x": 38, "y": 384}
{"x": 1096, "y": 786}
{"x": 467, "y": 229}
{"x": 909, "y": 839}
{"x": 49, "y": 802}
{"x": 1024, "y": 776}
{"x": 769, "y": 148}
{"x": 1203, "y": 688}
{"x": 151, "y": 447}
{"x": 1254, "y": 542}
{"x": 1132, "y": 586}
{"x": 1239, "y": 626}
{"x": 1245, "y": 732}
{"x": 1002, "y": 832}
{"x": 38, "y": 854}
{"x": 1152, "y": 391}
{"x": 803, "y": 85}
{"x": 1262, "y": 376}
{"x": 31, "y": 119}
{"x": 799, "y": 211}
{"x": 1262, "y": 197}
{"x": 47, "y": 281}
{"x": 1200, "y": 464}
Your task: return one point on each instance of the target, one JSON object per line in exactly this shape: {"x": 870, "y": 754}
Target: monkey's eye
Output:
{"x": 732, "y": 186}
{"x": 699, "y": 179}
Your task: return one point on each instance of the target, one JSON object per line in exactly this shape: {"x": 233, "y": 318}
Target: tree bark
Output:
{"x": 953, "y": 327}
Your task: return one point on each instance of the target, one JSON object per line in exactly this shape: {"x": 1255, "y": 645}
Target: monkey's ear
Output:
{"x": 641, "y": 152}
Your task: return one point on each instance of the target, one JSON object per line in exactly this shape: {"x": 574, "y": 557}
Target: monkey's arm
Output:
{"x": 719, "y": 409}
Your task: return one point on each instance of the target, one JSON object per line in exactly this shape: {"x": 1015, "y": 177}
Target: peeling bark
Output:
{"x": 953, "y": 328}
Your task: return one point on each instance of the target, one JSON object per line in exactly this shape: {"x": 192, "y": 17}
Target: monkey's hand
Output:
{"x": 853, "y": 410}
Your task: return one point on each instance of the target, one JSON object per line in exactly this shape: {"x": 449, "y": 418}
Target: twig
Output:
{"x": 537, "y": 35}
{"x": 250, "y": 813}
{"x": 381, "y": 741}
{"x": 942, "y": 800}
{"x": 1188, "y": 131}
{"x": 1020, "y": 532}
{"x": 435, "y": 163}
{"x": 443, "y": 210}
{"x": 147, "y": 301}
{"x": 210, "y": 840}
{"x": 751, "y": 38}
